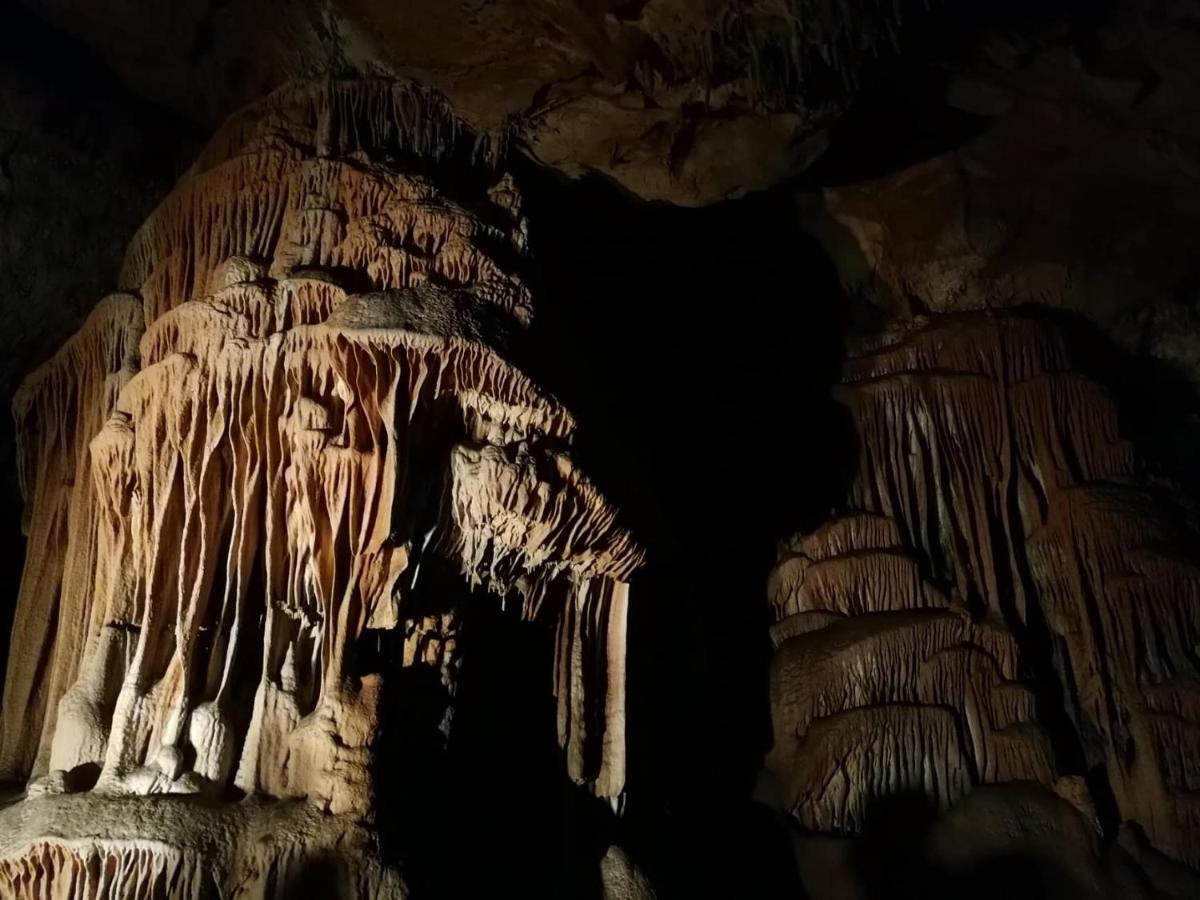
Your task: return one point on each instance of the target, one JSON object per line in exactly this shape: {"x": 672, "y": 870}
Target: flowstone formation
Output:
{"x": 247, "y": 478}
{"x": 1004, "y": 597}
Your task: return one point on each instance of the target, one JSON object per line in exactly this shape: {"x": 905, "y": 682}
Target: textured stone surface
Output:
{"x": 1003, "y": 598}
{"x": 236, "y": 473}
{"x": 1066, "y": 177}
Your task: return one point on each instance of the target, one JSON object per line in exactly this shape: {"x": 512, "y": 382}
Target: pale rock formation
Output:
{"x": 999, "y": 533}
{"x": 235, "y": 474}
{"x": 881, "y": 684}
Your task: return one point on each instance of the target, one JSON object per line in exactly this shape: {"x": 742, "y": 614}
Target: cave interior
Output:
{"x": 602, "y": 449}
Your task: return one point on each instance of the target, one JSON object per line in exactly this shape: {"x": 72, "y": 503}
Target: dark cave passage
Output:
{"x": 706, "y": 422}
{"x": 698, "y": 348}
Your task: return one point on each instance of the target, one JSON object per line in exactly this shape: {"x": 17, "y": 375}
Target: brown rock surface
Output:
{"x": 999, "y": 538}
{"x": 236, "y": 474}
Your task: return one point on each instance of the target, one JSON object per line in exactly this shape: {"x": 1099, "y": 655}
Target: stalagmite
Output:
{"x": 235, "y": 474}
{"x": 999, "y": 533}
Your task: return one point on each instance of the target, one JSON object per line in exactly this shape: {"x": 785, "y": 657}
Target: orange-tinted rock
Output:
{"x": 235, "y": 478}
{"x": 996, "y": 511}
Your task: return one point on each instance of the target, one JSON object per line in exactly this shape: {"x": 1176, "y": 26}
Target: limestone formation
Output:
{"x": 237, "y": 475}
{"x": 999, "y": 539}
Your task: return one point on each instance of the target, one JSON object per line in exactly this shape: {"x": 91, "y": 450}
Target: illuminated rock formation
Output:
{"x": 58, "y": 409}
{"x": 999, "y": 536}
{"x": 236, "y": 474}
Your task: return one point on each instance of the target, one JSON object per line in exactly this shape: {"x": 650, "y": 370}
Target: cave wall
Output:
{"x": 1010, "y": 219}
{"x": 82, "y": 161}
{"x": 1044, "y": 156}
{"x": 1003, "y": 597}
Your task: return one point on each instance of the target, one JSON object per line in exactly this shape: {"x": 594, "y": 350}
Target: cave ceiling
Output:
{"x": 682, "y": 100}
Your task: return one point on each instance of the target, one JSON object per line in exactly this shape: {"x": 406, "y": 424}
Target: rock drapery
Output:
{"x": 237, "y": 470}
{"x": 1003, "y": 597}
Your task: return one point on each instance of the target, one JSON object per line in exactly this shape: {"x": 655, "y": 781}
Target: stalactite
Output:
{"x": 994, "y": 494}
{"x": 57, "y": 410}
{"x": 321, "y": 403}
